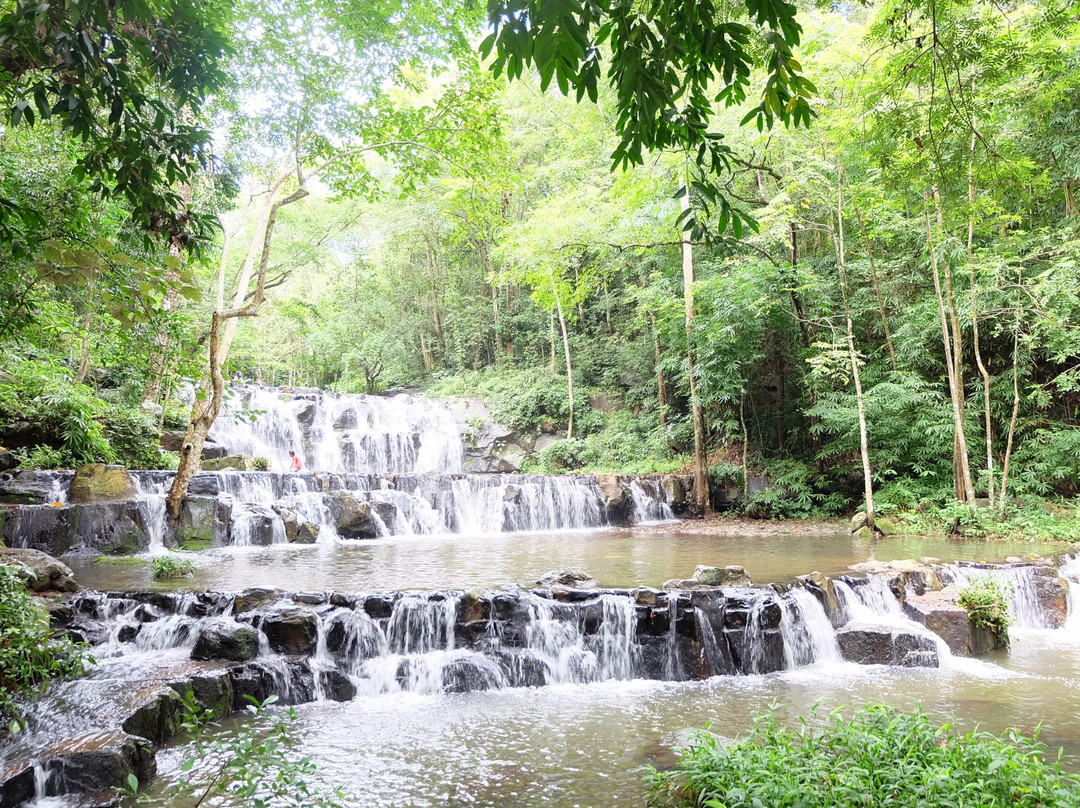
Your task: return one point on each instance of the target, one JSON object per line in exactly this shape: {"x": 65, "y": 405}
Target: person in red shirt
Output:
{"x": 295, "y": 462}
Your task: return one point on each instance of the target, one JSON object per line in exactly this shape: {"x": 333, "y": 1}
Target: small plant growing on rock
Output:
{"x": 171, "y": 566}
{"x": 261, "y": 464}
{"x": 987, "y": 606}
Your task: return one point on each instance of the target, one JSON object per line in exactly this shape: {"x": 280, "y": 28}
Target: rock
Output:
{"x": 470, "y": 673}
{"x": 254, "y": 598}
{"x": 41, "y": 571}
{"x": 32, "y": 487}
{"x": 822, "y": 588}
{"x": 510, "y": 457}
{"x": 939, "y": 613}
{"x": 213, "y": 451}
{"x": 902, "y": 574}
{"x": 336, "y": 686}
{"x": 883, "y": 645}
{"x": 291, "y": 630}
{"x": 573, "y": 578}
{"x": 98, "y": 761}
{"x": 255, "y": 526}
{"x": 204, "y": 522}
{"x": 675, "y": 490}
{"x": 7, "y": 460}
{"x": 106, "y": 528}
{"x": 16, "y": 784}
{"x": 544, "y": 441}
{"x": 858, "y": 521}
{"x": 96, "y": 482}
{"x": 292, "y": 682}
{"x": 159, "y": 718}
{"x": 240, "y": 462}
{"x": 212, "y": 692}
{"x": 601, "y": 402}
{"x": 226, "y": 640}
{"x": 1052, "y": 593}
{"x": 351, "y": 516}
{"x": 732, "y": 575}
{"x": 615, "y": 499}
{"x": 306, "y": 532}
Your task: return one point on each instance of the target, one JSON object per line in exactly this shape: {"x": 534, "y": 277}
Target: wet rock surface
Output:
{"x": 41, "y": 571}
{"x": 97, "y": 482}
{"x": 883, "y": 645}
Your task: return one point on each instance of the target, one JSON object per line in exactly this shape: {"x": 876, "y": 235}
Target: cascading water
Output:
{"x": 1018, "y": 584}
{"x": 650, "y": 504}
{"x": 807, "y": 631}
{"x": 341, "y": 433}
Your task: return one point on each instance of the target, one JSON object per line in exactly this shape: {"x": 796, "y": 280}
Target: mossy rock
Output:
{"x": 194, "y": 541}
{"x": 123, "y": 560}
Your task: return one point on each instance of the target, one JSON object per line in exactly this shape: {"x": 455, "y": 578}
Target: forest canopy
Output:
{"x": 878, "y": 204}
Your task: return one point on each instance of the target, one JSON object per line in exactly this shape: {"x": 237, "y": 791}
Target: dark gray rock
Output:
{"x": 336, "y": 686}
{"x": 96, "y": 762}
{"x": 32, "y": 487}
{"x": 351, "y": 516}
{"x": 226, "y": 640}
{"x": 883, "y": 645}
{"x": 291, "y": 680}
{"x": 7, "y": 460}
{"x": 254, "y": 598}
{"x": 616, "y": 499}
{"x": 41, "y": 571}
{"x": 158, "y": 718}
{"x": 291, "y": 630}
{"x": 16, "y": 784}
{"x": 108, "y": 528}
{"x": 573, "y": 578}
{"x": 204, "y": 522}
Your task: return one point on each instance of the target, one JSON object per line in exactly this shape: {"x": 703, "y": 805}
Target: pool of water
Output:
{"x": 616, "y": 558}
{"x": 584, "y": 745}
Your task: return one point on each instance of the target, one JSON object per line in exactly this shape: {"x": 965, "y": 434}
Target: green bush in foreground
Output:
{"x": 29, "y": 655}
{"x": 171, "y": 566}
{"x": 882, "y": 756}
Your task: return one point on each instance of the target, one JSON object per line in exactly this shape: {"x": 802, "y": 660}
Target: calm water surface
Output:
{"x": 616, "y": 558}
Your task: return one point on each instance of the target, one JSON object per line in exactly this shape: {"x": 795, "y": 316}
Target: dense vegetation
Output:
{"x": 29, "y": 655}
{"x": 881, "y": 756}
{"x": 891, "y": 290}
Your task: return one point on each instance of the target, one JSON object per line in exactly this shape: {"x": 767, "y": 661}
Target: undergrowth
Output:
{"x": 882, "y": 756}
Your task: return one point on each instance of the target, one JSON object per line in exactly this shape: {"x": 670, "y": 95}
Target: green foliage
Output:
{"x": 255, "y": 763}
{"x": 1027, "y": 519}
{"x": 261, "y": 463}
{"x": 42, "y": 457}
{"x": 881, "y": 756}
{"x": 794, "y": 491}
{"x": 562, "y": 455}
{"x": 170, "y": 565}
{"x": 985, "y": 600}
{"x": 30, "y": 656}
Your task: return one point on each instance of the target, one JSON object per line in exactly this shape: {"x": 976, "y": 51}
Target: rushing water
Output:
{"x": 626, "y": 557}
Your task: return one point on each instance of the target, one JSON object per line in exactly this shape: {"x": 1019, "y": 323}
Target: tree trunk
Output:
{"x": 87, "y": 324}
{"x": 1016, "y": 397}
{"x": 209, "y": 398}
{"x": 962, "y": 486}
{"x": 701, "y": 470}
{"x": 877, "y": 290}
{"x": 566, "y": 355}
{"x": 745, "y": 450}
{"x": 864, "y": 442}
{"x": 983, "y": 372}
{"x": 661, "y": 383}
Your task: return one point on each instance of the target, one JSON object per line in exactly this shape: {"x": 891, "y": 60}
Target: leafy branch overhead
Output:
{"x": 672, "y": 64}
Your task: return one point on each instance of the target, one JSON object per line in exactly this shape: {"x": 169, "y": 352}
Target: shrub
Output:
{"x": 41, "y": 457}
{"x": 881, "y": 757}
{"x": 987, "y": 607}
{"x": 29, "y": 653}
{"x": 171, "y": 566}
{"x": 562, "y": 455}
{"x": 261, "y": 463}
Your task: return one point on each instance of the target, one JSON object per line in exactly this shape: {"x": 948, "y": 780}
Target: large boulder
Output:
{"x": 7, "y": 460}
{"x": 96, "y": 482}
{"x": 939, "y": 612}
{"x": 254, "y": 598}
{"x": 291, "y": 630}
{"x": 821, "y": 587}
{"x": 204, "y": 522}
{"x": 616, "y": 499}
{"x": 920, "y": 577}
{"x": 711, "y": 578}
{"x": 1052, "y": 593}
{"x": 884, "y": 645}
{"x": 239, "y": 462}
{"x": 41, "y": 571}
{"x": 105, "y": 528}
{"x": 226, "y": 640}
{"x": 351, "y": 516}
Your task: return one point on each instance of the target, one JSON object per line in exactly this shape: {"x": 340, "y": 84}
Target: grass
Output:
{"x": 121, "y": 561}
{"x": 171, "y": 566}
{"x": 882, "y": 756}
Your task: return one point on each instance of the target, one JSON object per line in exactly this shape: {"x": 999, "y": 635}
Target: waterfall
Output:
{"x": 1018, "y": 584}
{"x": 807, "y": 631}
{"x": 569, "y": 655}
{"x": 1070, "y": 571}
{"x": 650, "y": 502}
{"x": 420, "y": 625}
{"x": 673, "y": 669}
{"x": 150, "y": 500}
{"x": 340, "y": 432}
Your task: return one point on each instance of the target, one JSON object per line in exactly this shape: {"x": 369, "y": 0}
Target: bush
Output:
{"x": 562, "y": 455}
{"x": 261, "y": 464}
{"x": 987, "y": 607}
{"x": 171, "y": 566}
{"x": 41, "y": 457}
{"x": 881, "y": 757}
{"x": 30, "y": 655}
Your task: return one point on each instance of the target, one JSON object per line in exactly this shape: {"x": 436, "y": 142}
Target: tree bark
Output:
{"x": 877, "y": 290}
{"x": 983, "y": 372}
{"x": 962, "y": 486}
{"x": 566, "y": 354}
{"x": 87, "y": 324}
{"x": 864, "y": 442}
{"x": 661, "y": 382}
{"x": 1016, "y": 397}
{"x": 701, "y": 470}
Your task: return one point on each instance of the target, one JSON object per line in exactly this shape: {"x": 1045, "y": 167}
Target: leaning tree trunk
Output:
{"x": 701, "y": 470}
{"x": 1016, "y": 397}
{"x": 87, "y": 325}
{"x": 661, "y": 382}
{"x": 566, "y": 355}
